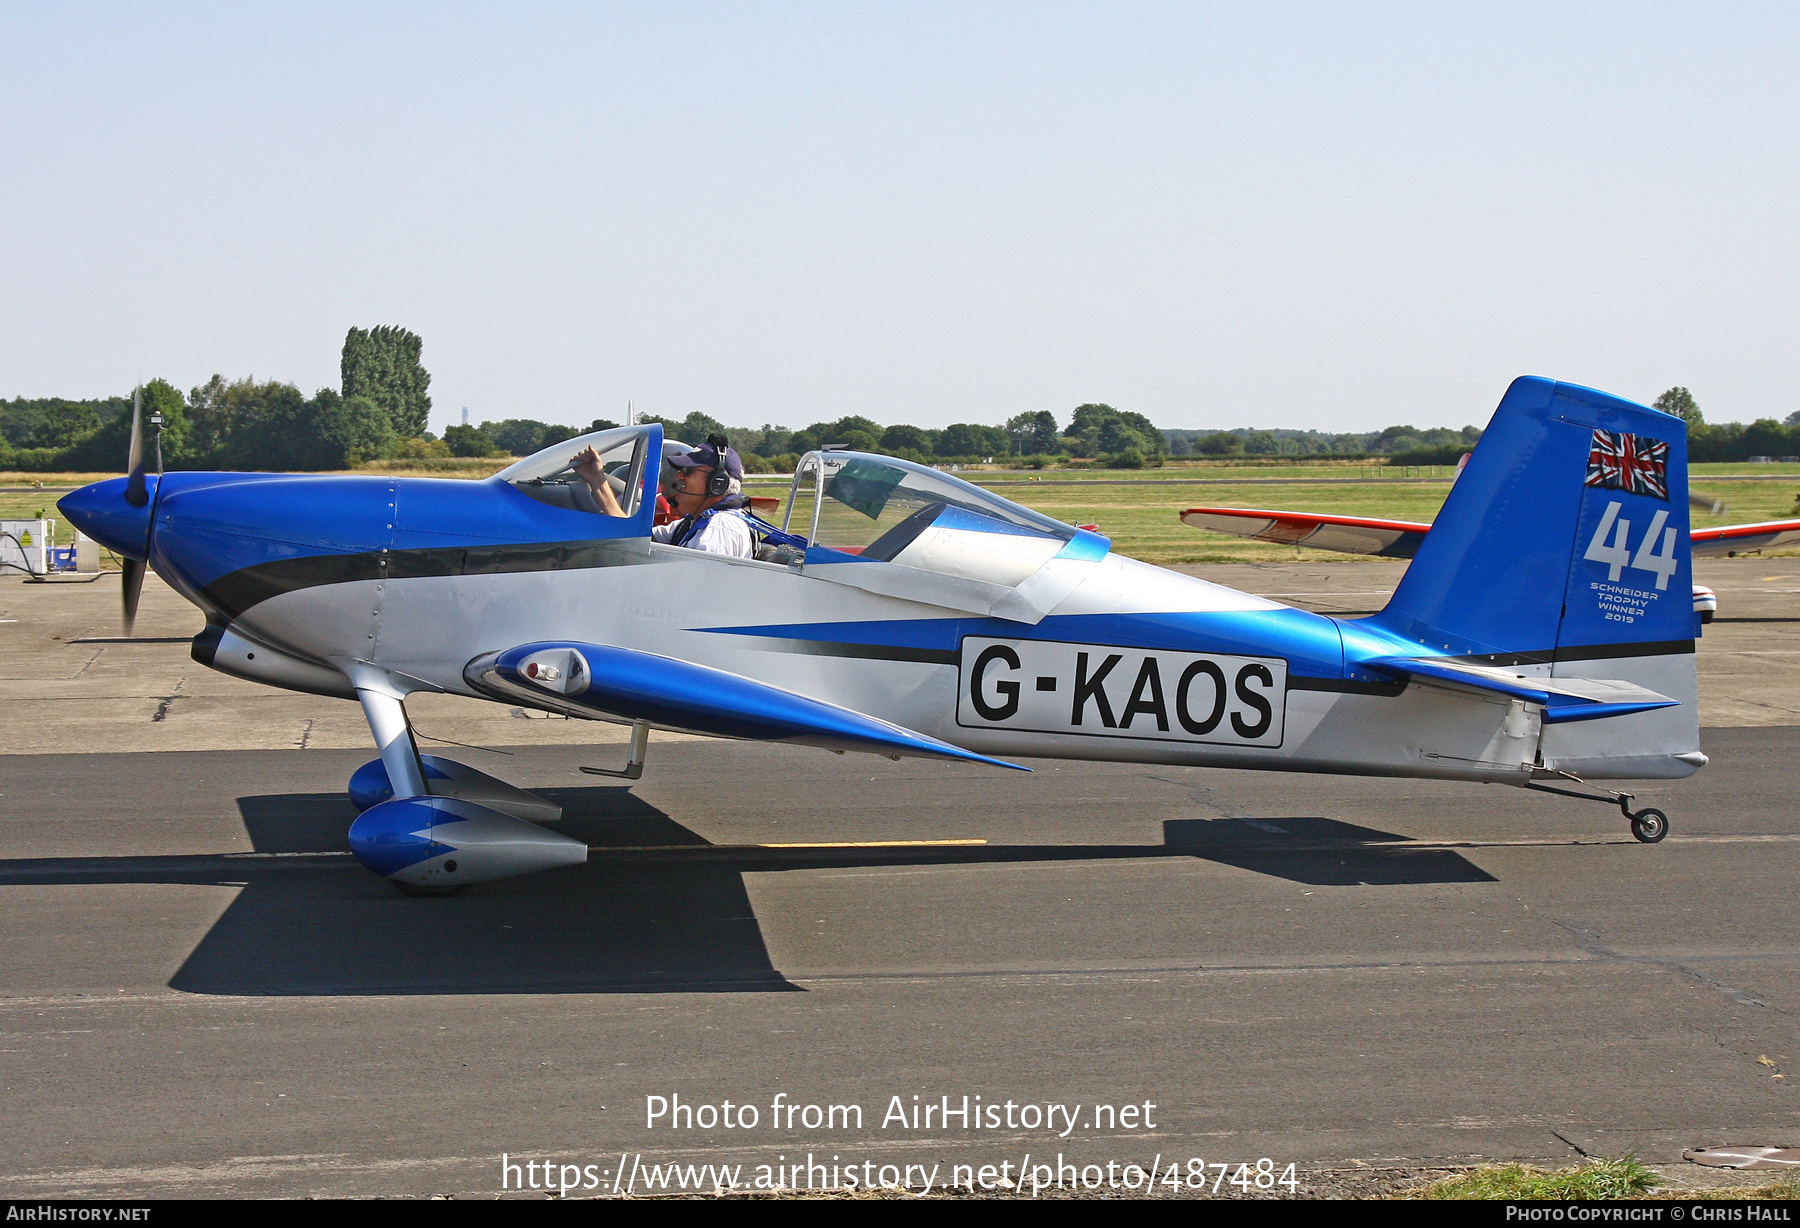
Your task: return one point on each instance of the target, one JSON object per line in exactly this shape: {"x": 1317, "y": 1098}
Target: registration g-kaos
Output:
{"x": 1103, "y": 690}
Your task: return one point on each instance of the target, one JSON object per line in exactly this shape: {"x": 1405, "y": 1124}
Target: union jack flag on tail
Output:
{"x": 1636, "y": 464}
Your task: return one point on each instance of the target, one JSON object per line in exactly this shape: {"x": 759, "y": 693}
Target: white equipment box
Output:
{"x": 25, "y": 546}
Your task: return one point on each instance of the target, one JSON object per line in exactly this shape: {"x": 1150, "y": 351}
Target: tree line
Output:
{"x": 382, "y": 404}
{"x": 1406, "y": 444}
{"x": 1731, "y": 441}
{"x": 1119, "y": 438}
{"x": 378, "y": 411}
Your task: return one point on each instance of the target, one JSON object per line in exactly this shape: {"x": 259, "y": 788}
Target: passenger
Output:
{"x": 712, "y": 522}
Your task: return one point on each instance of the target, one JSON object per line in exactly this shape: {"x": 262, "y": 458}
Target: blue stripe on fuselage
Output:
{"x": 1310, "y": 642}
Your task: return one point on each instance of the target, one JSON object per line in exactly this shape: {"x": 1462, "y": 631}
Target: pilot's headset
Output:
{"x": 719, "y": 481}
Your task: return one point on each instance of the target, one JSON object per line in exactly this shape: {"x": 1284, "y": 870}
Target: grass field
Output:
{"x": 1142, "y": 518}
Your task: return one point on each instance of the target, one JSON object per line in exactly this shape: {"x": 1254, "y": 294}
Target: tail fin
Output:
{"x": 1565, "y": 544}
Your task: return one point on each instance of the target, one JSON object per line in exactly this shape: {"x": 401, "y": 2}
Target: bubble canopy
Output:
{"x": 876, "y": 506}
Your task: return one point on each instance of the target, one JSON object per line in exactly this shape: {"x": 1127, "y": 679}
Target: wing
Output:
{"x": 595, "y": 680}
{"x": 1743, "y": 538}
{"x": 1392, "y": 539}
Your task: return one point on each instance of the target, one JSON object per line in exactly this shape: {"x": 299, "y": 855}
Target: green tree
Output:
{"x": 1032, "y": 433}
{"x": 382, "y": 364}
{"x": 1680, "y": 402}
{"x": 107, "y": 447}
{"x": 270, "y": 429}
{"x": 1395, "y": 439}
{"x": 335, "y": 432}
{"x": 771, "y": 442}
{"x": 523, "y": 436}
{"x": 65, "y": 424}
{"x": 470, "y": 441}
{"x": 243, "y": 424}
{"x": 210, "y": 416}
{"x": 902, "y": 438}
{"x": 1222, "y": 443}
{"x": 53, "y": 422}
{"x": 160, "y": 397}
{"x": 1766, "y": 437}
{"x": 819, "y": 434}
{"x": 973, "y": 439}
{"x": 834, "y": 432}
{"x": 697, "y": 426}
{"x": 1102, "y": 429}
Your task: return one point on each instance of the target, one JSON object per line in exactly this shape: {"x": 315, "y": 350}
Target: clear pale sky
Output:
{"x": 1335, "y": 216}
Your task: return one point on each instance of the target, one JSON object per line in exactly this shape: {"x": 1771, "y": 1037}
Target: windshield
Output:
{"x": 881, "y": 508}
{"x": 867, "y": 498}
{"x": 549, "y": 475}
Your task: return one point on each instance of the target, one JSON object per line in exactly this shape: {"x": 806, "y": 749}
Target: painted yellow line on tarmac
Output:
{"x": 744, "y": 848}
{"x": 872, "y": 844}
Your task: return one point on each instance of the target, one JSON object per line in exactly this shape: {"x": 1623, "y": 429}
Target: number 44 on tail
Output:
{"x": 1656, "y": 553}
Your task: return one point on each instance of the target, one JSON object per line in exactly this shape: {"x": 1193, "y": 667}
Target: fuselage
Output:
{"x": 417, "y": 577}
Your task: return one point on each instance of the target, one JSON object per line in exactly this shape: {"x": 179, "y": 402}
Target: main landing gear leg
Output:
{"x": 1649, "y": 825}
{"x": 383, "y": 704}
{"x": 386, "y": 714}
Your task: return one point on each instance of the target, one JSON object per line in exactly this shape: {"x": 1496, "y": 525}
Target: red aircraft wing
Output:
{"x": 1391, "y": 539}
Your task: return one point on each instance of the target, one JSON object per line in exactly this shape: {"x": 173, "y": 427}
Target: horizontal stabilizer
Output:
{"x": 1563, "y": 699}
{"x": 593, "y": 680}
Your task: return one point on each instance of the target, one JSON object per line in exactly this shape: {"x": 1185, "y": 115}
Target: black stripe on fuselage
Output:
{"x": 234, "y": 593}
{"x": 1345, "y": 686}
{"x": 862, "y": 652}
{"x": 1590, "y": 652}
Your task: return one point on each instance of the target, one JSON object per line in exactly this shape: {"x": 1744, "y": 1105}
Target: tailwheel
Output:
{"x": 1649, "y": 825}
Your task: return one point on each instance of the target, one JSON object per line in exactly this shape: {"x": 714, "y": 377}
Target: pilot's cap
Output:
{"x": 706, "y": 456}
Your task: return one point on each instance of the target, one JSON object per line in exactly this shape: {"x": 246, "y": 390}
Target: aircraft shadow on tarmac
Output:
{"x": 656, "y": 909}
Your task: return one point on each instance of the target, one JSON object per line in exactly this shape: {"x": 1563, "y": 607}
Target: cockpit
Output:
{"x": 946, "y": 541}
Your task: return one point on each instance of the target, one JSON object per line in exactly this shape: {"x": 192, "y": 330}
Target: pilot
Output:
{"x": 710, "y": 510}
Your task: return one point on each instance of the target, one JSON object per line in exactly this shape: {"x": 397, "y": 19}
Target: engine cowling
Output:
{"x": 442, "y": 842}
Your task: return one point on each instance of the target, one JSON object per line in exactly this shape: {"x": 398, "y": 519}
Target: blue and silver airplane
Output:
{"x": 1543, "y": 636}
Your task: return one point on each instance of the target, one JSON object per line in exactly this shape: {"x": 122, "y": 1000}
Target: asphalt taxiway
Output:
{"x": 201, "y": 994}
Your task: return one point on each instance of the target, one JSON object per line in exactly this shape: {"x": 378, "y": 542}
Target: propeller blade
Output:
{"x": 135, "y": 494}
{"x": 133, "y": 576}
